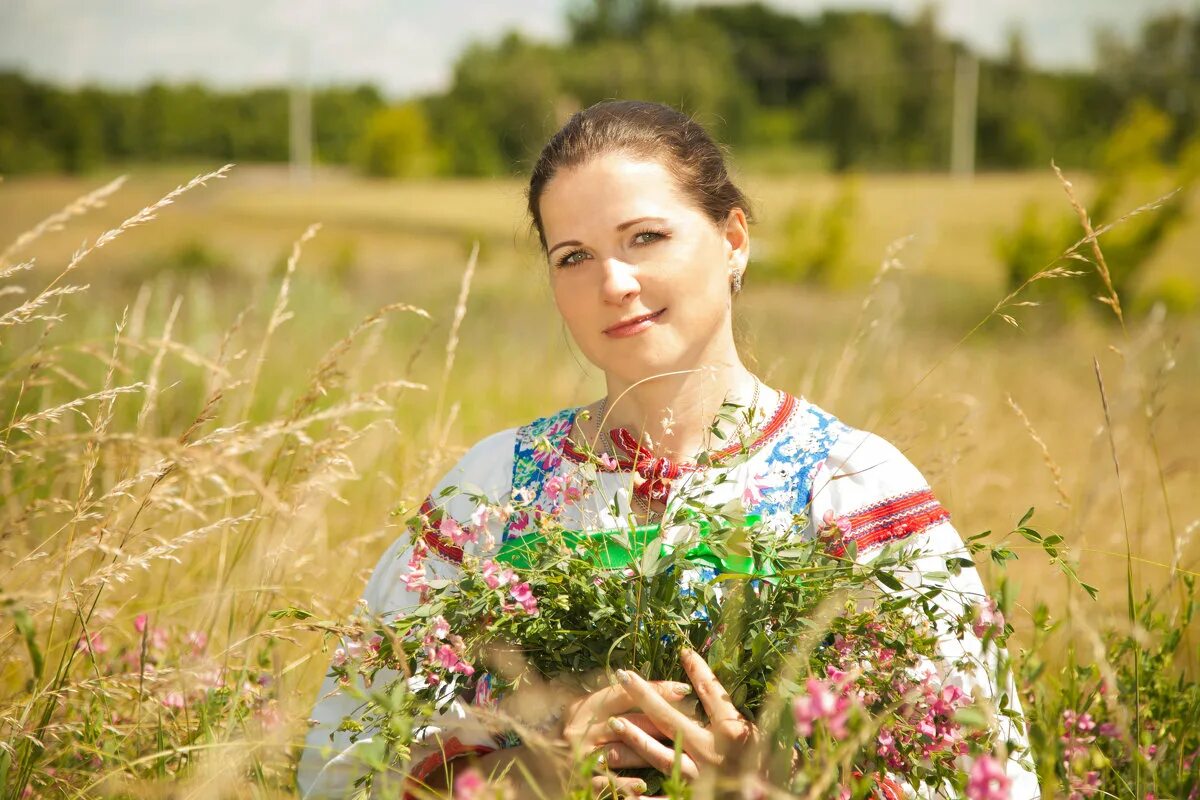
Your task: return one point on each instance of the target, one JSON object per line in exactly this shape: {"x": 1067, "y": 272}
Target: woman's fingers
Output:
{"x": 622, "y": 756}
{"x": 697, "y": 741}
{"x": 600, "y": 732}
{"x": 610, "y": 785}
{"x": 656, "y": 754}
{"x": 712, "y": 694}
{"x": 613, "y": 700}
{"x": 597, "y": 707}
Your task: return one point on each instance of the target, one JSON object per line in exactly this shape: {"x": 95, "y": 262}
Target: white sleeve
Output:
{"x": 331, "y": 762}
{"x": 870, "y": 487}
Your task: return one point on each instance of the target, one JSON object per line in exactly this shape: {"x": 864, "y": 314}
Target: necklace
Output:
{"x": 661, "y": 471}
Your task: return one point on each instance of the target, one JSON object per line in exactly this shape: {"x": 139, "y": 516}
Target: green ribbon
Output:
{"x": 607, "y": 548}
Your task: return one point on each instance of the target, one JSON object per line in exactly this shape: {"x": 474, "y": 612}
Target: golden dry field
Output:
{"x": 254, "y": 463}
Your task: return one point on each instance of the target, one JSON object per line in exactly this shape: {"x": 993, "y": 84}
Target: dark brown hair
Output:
{"x": 646, "y": 130}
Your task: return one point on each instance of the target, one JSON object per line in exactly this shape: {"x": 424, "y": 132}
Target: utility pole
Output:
{"x": 300, "y": 117}
{"x": 966, "y": 103}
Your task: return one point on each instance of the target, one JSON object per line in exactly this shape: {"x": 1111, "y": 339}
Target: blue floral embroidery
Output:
{"x": 793, "y": 462}
{"x": 537, "y": 455}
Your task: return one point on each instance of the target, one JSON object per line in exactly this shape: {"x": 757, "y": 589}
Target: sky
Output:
{"x": 408, "y": 47}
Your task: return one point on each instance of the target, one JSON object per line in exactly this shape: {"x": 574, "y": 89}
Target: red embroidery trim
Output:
{"x": 447, "y": 550}
{"x": 893, "y": 519}
{"x": 776, "y": 423}
{"x": 888, "y": 788}
{"x": 452, "y": 750}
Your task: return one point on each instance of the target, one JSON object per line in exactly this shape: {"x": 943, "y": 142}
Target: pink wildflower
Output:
{"x": 197, "y": 640}
{"x": 480, "y": 516}
{"x": 523, "y": 594}
{"x": 469, "y": 785}
{"x": 987, "y": 780}
{"x": 419, "y": 553}
{"x": 414, "y": 580}
{"x": 450, "y": 529}
{"x": 173, "y": 700}
{"x": 448, "y": 659}
{"x": 158, "y": 639}
{"x": 92, "y": 643}
{"x": 440, "y": 628}
{"x": 496, "y": 576}
{"x": 988, "y": 619}
{"x": 1083, "y": 786}
{"x": 339, "y": 657}
{"x": 820, "y": 703}
{"x": 139, "y": 622}
{"x": 608, "y": 462}
{"x": 563, "y": 487}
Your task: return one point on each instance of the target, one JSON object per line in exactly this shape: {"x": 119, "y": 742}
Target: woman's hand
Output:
{"x": 727, "y": 734}
{"x": 586, "y": 728}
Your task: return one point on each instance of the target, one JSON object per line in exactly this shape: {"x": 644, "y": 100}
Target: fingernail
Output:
{"x": 687, "y": 651}
{"x": 683, "y": 689}
{"x": 640, "y": 787}
{"x": 623, "y": 676}
{"x": 616, "y": 724}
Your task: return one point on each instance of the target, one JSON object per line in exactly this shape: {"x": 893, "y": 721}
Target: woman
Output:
{"x": 647, "y": 242}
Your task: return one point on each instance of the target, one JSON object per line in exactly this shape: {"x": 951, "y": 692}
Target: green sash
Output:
{"x": 614, "y": 548}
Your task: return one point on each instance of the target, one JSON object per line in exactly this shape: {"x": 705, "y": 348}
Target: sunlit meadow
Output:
{"x": 225, "y": 401}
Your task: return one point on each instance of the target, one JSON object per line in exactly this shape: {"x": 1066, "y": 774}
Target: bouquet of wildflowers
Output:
{"x": 834, "y": 659}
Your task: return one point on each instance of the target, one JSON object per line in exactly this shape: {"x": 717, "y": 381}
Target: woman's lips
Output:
{"x": 636, "y": 327}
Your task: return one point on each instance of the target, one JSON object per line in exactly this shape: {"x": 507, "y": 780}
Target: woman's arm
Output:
{"x": 869, "y": 486}
{"x": 331, "y": 762}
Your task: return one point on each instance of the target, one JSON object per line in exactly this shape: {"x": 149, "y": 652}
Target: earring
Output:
{"x": 736, "y": 284}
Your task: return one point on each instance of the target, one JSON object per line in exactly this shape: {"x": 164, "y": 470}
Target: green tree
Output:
{"x": 866, "y": 82}
{"x": 1129, "y": 167}
{"x": 597, "y": 20}
{"x": 396, "y": 144}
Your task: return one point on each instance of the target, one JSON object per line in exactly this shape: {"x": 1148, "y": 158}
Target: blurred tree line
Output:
{"x": 867, "y": 89}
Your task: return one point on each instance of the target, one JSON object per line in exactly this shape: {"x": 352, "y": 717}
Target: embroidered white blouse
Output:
{"x": 803, "y": 460}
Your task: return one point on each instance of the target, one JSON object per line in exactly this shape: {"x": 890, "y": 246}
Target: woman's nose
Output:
{"x": 620, "y": 281}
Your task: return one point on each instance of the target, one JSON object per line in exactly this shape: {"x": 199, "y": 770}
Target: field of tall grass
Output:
{"x": 223, "y": 400}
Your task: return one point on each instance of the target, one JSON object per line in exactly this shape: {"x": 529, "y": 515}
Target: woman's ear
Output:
{"x": 737, "y": 239}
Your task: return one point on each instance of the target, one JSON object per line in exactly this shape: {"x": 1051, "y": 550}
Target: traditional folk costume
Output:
{"x": 801, "y": 461}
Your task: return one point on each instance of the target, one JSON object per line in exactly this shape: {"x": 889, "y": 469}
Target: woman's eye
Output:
{"x": 654, "y": 236}
{"x": 567, "y": 261}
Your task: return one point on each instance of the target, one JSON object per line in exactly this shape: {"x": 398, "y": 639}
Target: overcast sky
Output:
{"x": 406, "y": 46}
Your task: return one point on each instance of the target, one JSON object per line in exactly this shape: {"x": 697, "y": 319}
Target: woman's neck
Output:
{"x": 677, "y": 411}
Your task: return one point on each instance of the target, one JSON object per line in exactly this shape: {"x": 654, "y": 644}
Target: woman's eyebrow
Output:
{"x": 621, "y": 227}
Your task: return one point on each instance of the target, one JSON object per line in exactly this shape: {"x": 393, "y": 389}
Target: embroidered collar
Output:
{"x": 783, "y": 412}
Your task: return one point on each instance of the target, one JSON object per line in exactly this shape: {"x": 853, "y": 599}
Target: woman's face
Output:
{"x": 625, "y": 243}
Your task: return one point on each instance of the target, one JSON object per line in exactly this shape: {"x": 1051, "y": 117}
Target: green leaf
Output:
{"x": 291, "y": 612}
{"x": 1025, "y": 518}
{"x": 889, "y": 580}
{"x": 971, "y": 717}
{"x": 28, "y": 630}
